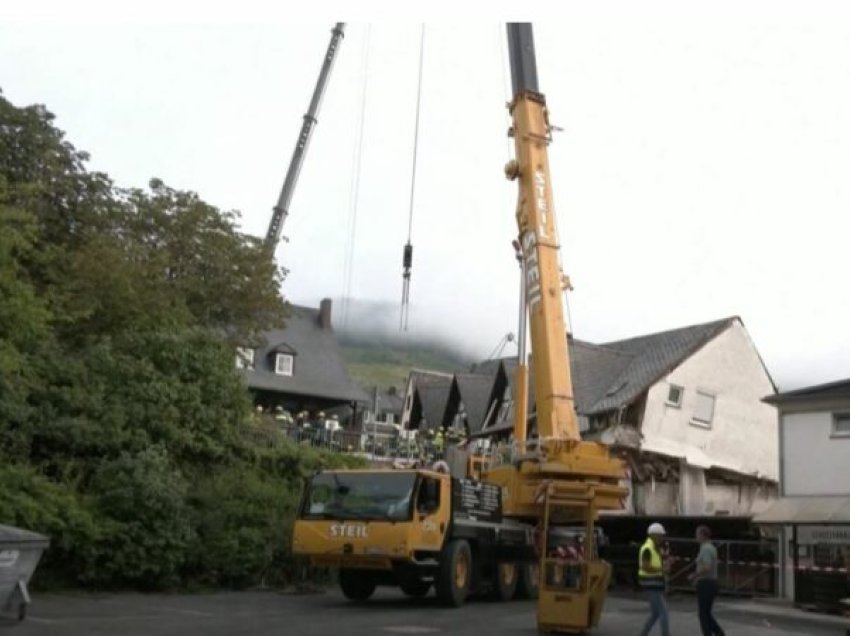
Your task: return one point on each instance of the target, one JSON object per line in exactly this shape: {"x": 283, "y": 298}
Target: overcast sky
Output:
{"x": 703, "y": 170}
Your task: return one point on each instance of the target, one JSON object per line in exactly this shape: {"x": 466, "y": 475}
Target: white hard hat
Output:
{"x": 655, "y": 529}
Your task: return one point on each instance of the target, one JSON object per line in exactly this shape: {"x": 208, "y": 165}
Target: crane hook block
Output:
{"x": 407, "y": 259}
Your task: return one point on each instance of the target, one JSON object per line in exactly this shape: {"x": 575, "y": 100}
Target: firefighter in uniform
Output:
{"x": 651, "y": 569}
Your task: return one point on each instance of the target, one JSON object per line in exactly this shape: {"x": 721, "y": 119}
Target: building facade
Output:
{"x": 812, "y": 516}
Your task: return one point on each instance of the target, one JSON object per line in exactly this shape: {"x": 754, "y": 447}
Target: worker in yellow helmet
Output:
{"x": 651, "y": 574}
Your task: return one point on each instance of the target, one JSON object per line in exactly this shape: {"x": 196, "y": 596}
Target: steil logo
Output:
{"x": 540, "y": 199}
{"x": 349, "y": 531}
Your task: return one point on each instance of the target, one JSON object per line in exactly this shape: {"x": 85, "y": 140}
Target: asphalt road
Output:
{"x": 277, "y": 614}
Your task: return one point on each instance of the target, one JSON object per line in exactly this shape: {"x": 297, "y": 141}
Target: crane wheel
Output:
{"x": 356, "y": 585}
{"x": 506, "y": 580}
{"x": 455, "y": 574}
{"x": 528, "y": 583}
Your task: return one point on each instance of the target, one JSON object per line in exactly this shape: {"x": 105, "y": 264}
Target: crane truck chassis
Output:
{"x": 415, "y": 529}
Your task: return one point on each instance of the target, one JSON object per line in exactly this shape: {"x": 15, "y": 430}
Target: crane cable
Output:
{"x": 354, "y": 189}
{"x": 407, "y": 255}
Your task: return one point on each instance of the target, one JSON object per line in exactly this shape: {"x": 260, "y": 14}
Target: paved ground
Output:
{"x": 278, "y": 614}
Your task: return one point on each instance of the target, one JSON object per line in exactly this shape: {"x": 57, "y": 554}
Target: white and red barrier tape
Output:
{"x": 760, "y": 564}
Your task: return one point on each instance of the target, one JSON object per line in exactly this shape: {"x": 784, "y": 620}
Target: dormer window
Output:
{"x": 283, "y": 364}
{"x": 244, "y": 358}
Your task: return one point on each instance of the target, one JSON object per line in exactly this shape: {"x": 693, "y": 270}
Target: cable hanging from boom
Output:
{"x": 407, "y": 255}
{"x": 354, "y": 189}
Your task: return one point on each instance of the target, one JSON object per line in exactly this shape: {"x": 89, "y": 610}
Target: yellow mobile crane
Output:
{"x": 555, "y": 477}
{"x": 490, "y": 532}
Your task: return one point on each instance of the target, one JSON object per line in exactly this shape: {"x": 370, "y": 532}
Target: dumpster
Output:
{"x": 20, "y": 551}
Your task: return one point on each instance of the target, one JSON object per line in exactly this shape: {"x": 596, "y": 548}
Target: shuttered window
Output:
{"x": 704, "y": 408}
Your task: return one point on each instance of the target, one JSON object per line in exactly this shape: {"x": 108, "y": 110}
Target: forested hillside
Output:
{"x": 384, "y": 363}
{"x": 121, "y": 415}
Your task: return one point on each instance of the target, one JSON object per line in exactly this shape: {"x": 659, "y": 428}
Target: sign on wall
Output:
{"x": 833, "y": 535}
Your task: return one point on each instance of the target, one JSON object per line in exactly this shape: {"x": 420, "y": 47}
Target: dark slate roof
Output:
{"x": 434, "y": 398}
{"x": 318, "y": 367}
{"x": 475, "y": 392}
{"x": 611, "y": 375}
{"x": 651, "y": 358}
{"x": 594, "y": 368}
{"x": 830, "y": 390}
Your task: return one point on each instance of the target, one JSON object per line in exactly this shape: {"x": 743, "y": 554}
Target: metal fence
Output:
{"x": 343, "y": 441}
{"x": 747, "y": 568}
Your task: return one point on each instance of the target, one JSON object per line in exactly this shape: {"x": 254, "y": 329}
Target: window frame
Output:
{"x": 702, "y": 423}
{"x": 836, "y": 416}
{"x": 277, "y": 364}
{"x": 245, "y": 358}
{"x": 668, "y": 401}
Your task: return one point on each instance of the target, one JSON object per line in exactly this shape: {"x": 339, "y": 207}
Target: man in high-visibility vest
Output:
{"x": 651, "y": 574}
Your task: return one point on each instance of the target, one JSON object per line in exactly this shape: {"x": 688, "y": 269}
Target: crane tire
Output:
{"x": 455, "y": 574}
{"x": 506, "y": 580}
{"x": 356, "y": 585}
{"x": 528, "y": 583}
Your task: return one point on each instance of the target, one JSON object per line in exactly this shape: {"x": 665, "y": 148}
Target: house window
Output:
{"x": 703, "y": 409}
{"x": 674, "y": 395}
{"x": 283, "y": 364}
{"x": 841, "y": 424}
{"x": 244, "y": 358}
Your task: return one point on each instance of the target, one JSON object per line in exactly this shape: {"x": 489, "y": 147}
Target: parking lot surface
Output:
{"x": 267, "y": 613}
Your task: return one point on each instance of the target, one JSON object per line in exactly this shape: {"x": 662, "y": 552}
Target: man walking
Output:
{"x": 705, "y": 577}
{"x": 651, "y": 575}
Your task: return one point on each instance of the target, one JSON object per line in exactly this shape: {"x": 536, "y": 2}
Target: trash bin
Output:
{"x": 20, "y": 551}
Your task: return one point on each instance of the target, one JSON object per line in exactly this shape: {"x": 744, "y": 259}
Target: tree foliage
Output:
{"x": 120, "y": 408}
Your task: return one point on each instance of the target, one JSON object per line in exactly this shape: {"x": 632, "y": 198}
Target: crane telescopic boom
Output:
{"x": 281, "y": 210}
{"x": 538, "y": 240}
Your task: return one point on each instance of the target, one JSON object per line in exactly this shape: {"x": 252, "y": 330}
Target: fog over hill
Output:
{"x": 361, "y": 323}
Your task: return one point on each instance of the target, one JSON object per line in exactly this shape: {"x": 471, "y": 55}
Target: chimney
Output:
{"x": 325, "y": 313}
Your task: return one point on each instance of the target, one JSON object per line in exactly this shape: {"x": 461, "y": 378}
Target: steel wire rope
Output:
{"x": 408, "y": 248}
{"x": 354, "y": 189}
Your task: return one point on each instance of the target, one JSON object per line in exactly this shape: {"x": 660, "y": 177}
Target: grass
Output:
{"x": 386, "y": 365}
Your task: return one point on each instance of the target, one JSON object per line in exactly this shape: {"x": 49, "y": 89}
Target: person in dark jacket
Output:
{"x": 705, "y": 577}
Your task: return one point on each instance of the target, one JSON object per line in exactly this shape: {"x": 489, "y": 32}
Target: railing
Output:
{"x": 343, "y": 441}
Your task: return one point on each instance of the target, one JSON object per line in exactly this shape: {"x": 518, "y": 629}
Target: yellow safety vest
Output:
{"x": 650, "y": 579}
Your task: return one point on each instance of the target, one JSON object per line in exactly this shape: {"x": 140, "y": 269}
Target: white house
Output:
{"x": 684, "y": 408}
{"x": 813, "y": 513}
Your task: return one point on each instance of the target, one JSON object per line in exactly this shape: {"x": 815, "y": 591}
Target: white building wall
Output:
{"x": 814, "y": 462}
{"x": 743, "y": 433}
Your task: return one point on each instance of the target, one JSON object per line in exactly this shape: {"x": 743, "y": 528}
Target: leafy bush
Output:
{"x": 28, "y": 500}
{"x": 147, "y": 526}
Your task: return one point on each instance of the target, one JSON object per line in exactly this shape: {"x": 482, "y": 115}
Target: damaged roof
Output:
{"x": 608, "y": 376}
{"x": 615, "y": 373}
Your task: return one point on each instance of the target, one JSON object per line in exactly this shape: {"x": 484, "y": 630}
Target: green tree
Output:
{"x": 24, "y": 323}
{"x": 120, "y": 407}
